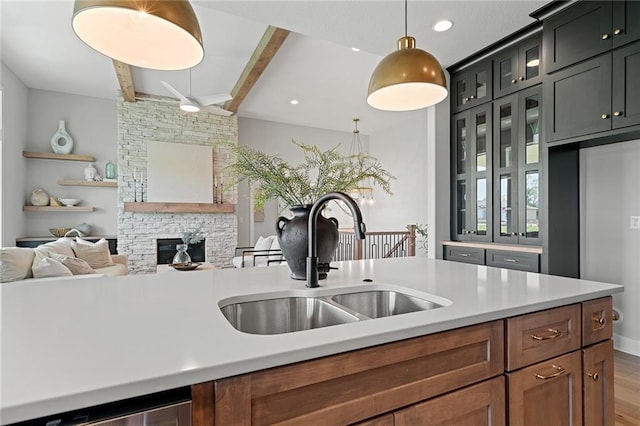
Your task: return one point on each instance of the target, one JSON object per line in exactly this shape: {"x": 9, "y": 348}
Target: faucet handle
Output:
{"x": 325, "y": 267}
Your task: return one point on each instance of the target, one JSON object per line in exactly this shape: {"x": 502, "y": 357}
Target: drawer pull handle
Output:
{"x": 463, "y": 254}
{"x": 617, "y": 31}
{"x": 602, "y": 321}
{"x": 604, "y": 116}
{"x": 617, "y": 113}
{"x": 554, "y": 335}
{"x": 595, "y": 376}
{"x": 559, "y": 371}
{"x": 506, "y": 259}
{"x": 605, "y": 36}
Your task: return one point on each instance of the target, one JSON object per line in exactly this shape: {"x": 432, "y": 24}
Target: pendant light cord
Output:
{"x": 405, "y": 18}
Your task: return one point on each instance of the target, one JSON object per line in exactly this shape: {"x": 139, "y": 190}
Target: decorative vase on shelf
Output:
{"x": 110, "y": 170}
{"x": 90, "y": 172}
{"x": 293, "y": 238}
{"x": 61, "y": 141}
{"x": 182, "y": 257}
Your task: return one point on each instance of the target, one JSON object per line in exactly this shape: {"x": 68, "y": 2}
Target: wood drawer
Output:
{"x": 478, "y": 405}
{"x": 597, "y": 320}
{"x": 529, "y": 262}
{"x": 359, "y": 385}
{"x": 547, "y": 393}
{"x": 542, "y": 335}
{"x": 464, "y": 254}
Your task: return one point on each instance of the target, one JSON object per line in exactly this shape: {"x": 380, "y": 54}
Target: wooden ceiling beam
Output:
{"x": 125, "y": 79}
{"x": 267, "y": 48}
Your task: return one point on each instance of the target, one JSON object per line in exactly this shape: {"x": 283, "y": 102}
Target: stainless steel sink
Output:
{"x": 284, "y": 315}
{"x": 383, "y": 303}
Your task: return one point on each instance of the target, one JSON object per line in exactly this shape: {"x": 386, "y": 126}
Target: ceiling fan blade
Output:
{"x": 213, "y": 99}
{"x": 215, "y": 109}
{"x": 177, "y": 94}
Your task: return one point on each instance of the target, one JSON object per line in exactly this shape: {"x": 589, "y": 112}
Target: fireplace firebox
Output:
{"x": 166, "y": 249}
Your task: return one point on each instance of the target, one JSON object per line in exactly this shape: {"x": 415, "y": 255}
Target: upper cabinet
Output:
{"x": 471, "y": 86}
{"x": 587, "y": 29}
{"x": 518, "y": 68}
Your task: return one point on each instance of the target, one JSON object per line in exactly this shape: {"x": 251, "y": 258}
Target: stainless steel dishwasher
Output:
{"x": 171, "y": 415}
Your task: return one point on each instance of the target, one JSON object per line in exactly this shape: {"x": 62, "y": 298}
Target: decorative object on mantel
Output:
{"x": 110, "y": 170}
{"x": 138, "y": 178}
{"x": 408, "y": 78}
{"x": 299, "y": 187}
{"x": 61, "y": 141}
{"x": 162, "y": 35}
{"x": 39, "y": 197}
{"x": 90, "y": 172}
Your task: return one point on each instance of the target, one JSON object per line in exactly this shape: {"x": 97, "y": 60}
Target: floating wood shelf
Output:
{"x": 71, "y": 182}
{"x": 146, "y": 207}
{"x": 54, "y": 156}
{"x": 73, "y": 209}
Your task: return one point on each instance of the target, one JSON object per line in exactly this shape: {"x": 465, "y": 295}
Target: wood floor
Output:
{"x": 627, "y": 389}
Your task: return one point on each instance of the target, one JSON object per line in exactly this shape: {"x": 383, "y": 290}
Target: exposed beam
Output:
{"x": 269, "y": 45}
{"x": 125, "y": 79}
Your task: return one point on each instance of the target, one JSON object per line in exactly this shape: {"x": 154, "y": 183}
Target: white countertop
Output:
{"x": 68, "y": 344}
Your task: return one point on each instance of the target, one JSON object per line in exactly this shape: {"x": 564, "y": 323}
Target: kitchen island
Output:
{"x": 69, "y": 344}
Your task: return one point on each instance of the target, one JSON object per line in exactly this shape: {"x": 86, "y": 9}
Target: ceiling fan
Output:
{"x": 202, "y": 103}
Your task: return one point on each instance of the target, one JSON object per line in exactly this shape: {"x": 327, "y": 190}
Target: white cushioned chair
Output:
{"x": 265, "y": 252}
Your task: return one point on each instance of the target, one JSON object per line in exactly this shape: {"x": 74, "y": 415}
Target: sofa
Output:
{"x": 64, "y": 257}
{"x": 265, "y": 252}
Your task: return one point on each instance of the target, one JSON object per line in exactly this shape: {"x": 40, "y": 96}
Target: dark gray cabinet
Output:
{"x": 521, "y": 261}
{"x": 518, "y": 67}
{"x": 464, "y": 254}
{"x": 587, "y": 29}
{"x": 471, "y": 154}
{"x": 517, "y": 168}
{"x": 594, "y": 96}
{"x": 472, "y": 86}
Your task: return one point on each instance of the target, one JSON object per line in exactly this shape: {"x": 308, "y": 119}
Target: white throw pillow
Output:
{"x": 96, "y": 255}
{"x": 15, "y": 263}
{"x": 60, "y": 246}
{"x": 49, "y": 267}
{"x": 263, "y": 243}
{"x": 75, "y": 265}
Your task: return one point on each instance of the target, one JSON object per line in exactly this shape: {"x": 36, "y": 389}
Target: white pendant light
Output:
{"x": 407, "y": 79}
{"x": 162, "y": 35}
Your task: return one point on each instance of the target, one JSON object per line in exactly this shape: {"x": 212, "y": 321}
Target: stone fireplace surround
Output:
{"x": 159, "y": 119}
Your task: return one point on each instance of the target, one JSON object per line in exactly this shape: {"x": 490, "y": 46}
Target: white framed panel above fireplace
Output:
{"x": 179, "y": 173}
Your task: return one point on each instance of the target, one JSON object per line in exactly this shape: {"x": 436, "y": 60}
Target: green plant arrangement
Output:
{"x": 423, "y": 233}
{"x": 298, "y": 185}
{"x": 192, "y": 237}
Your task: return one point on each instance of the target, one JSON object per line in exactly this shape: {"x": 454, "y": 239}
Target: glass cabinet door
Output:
{"x": 530, "y": 167}
{"x": 460, "y": 151}
{"x": 506, "y": 207}
{"x": 482, "y": 137}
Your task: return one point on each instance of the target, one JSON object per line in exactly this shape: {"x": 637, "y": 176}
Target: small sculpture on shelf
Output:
{"x": 39, "y": 197}
{"x": 61, "y": 141}
{"x": 91, "y": 174}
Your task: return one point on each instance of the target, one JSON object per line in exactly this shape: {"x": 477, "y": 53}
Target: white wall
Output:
{"x": 610, "y": 250}
{"x": 92, "y": 124}
{"x": 403, "y": 151}
{"x": 273, "y": 137}
{"x": 14, "y": 120}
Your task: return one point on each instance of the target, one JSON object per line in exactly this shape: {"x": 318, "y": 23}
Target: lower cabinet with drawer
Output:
{"x": 464, "y": 254}
{"x": 519, "y": 260}
{"x": 543, "y": 368}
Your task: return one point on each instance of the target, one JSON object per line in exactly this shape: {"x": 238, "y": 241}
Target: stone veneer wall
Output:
{"x": 160, "y": 119}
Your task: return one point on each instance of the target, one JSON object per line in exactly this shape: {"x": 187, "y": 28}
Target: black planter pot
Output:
{"x": 294, "y": 240}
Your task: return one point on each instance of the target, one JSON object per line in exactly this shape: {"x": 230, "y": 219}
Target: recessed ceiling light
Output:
{"x": 355, "y": 49}
{"x": 443, "y": 25}
{"x": 293, "y": 102}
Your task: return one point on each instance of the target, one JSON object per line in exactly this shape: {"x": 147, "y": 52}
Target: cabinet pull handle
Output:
{"x": 513, "y": 234}
{"x": 522, "y": 234}
{"x": 465, "y": 100}
{"x": 617, "y": 31}
{"x": 507, "y": 259}
{"x": 514, "y": 81}
{"x": 521, "y": 78}
{"x": 554, "y": 335}
{"x": 463, "y": 254}
{"x": 472, "y": 232}
{"x": 559, "y": 370}
{"x": 605, "y": 36}
{"x": 604, "y": 116}
{"x": 472, "y": 97}
{"x": 617, "y": 113}
{"x": 602, "y": 321}
{"x": 595, "y": 376}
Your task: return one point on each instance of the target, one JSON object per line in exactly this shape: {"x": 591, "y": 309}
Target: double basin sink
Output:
{"x": 297, "y": 312}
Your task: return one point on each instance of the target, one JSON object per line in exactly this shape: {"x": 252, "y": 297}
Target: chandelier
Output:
{"x": 363, "y": 193}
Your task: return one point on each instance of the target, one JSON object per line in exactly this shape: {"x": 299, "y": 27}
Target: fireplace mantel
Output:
{"x": 154, "y": 207}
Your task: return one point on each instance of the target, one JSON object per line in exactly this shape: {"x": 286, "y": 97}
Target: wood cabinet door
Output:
{"x": 478, "y": 405}
{"x": 547, "y": 393}
{"x": 577, "y": 100}
{"x": 626, "y": 85}
{"x": 626, "y": 22}
{"x": 579, "y": 32}
{"x": 597, "y": 320}
{"x": 597, "y": 388}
